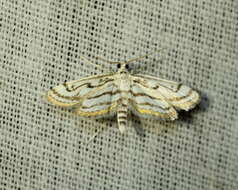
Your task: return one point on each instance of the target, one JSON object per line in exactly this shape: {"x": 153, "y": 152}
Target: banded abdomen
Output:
{"x": 122, "y": 113}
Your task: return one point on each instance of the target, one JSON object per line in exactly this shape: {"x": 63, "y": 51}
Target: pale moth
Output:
{"x": 121, "y": 92}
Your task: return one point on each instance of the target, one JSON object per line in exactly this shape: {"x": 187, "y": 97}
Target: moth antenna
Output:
{"x": 111, "y": 62}
{"x": 91, "y": 62}
{"x": 143, "y": 56}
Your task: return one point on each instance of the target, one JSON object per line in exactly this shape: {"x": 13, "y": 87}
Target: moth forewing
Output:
{"x": 176, "y": 94}
{"x": 73, "y": 92}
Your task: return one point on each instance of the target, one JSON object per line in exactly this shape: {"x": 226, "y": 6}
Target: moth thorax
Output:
{"x": 124, "y": 85}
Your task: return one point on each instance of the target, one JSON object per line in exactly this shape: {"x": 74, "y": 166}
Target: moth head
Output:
{"x": 122, "y": 67}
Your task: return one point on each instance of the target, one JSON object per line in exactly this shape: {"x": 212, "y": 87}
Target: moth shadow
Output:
{"x": 137, "y": 124}
{"x": 204, "y": 103}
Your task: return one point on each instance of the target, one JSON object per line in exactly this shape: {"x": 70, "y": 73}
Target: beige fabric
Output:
{"x": 40, "y": 46}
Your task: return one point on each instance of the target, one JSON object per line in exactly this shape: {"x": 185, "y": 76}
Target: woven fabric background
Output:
{"x": 42, "y": 146}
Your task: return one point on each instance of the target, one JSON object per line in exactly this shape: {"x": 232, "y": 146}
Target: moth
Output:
{"x": 120, "y": 93}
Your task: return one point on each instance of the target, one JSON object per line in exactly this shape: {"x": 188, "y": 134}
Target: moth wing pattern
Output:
{"x": 73, "y": 92}
{"x": 146, "y": 102}
{"x": 100, "y": 103}
{"x": 180, "y": 96}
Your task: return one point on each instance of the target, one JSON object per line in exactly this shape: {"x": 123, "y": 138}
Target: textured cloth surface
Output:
{"x": 42, "y": 146}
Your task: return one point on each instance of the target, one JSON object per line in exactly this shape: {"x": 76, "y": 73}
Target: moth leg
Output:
{"x": 94, "y": 136}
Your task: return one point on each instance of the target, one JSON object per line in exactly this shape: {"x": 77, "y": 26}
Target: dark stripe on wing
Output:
{"x": 87, "y": 85}
{"x": 135, "y": 104}
{"x": 157, "y": 86}
{"x": 181, "y": 97}
{"x": 99, "y": 104}
{"x": 169, "y": 99}
{"x": 121, "y": 91}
